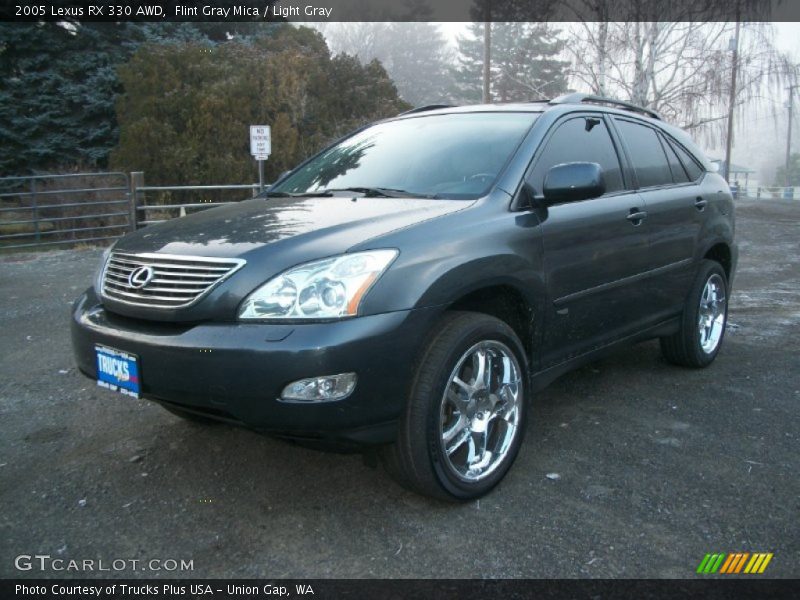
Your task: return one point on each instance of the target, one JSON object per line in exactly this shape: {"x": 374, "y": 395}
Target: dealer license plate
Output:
{"x": 117, "y": 370}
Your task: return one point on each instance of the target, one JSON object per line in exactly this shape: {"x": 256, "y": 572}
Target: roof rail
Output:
{"x": 425, "y": 108}
{"x": 579, "y": 98}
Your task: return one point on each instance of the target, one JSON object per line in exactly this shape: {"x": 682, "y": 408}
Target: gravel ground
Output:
{"x": 656, "y": 465}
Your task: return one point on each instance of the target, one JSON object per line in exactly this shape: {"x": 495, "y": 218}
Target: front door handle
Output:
{"x": 700, "y": 203}
{"x": 636, "y": 216}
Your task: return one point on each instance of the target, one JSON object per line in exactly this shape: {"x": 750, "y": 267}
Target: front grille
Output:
{"x": 171, "y": 281}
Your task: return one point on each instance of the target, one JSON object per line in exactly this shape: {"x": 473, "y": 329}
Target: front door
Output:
{"x": 595, "y": 251}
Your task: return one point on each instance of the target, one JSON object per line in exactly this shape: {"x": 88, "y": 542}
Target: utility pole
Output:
{"x": 791, "y": 89}
{"x": 487, "y": 60}
{"x": 732, "y": 99}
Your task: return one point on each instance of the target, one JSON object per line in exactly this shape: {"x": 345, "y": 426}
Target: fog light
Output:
{"x": 320, "y": 389}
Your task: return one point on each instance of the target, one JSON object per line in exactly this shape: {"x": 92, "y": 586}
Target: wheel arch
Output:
{"x": 721, "y": 252}
{"x": 506, "y": 302}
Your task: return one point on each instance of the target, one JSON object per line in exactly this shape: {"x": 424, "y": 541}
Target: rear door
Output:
{"x": 674, "y": 211}
{"x": 595, "y": 251}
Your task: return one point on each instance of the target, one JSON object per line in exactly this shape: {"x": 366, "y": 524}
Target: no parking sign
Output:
{"x": 260, "y": 141}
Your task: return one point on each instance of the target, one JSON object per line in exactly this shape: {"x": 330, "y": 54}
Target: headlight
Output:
{"x": 98, "y": 276}
{"x": 322, "y": 289}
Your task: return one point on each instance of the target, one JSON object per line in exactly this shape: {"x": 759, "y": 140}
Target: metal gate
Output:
{"x": 52, "y": 210}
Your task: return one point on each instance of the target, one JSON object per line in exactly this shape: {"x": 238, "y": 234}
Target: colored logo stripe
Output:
{"x": 735, "y": 563}
{"x": 758, "y": 563}
{"x": 710, "y": 563}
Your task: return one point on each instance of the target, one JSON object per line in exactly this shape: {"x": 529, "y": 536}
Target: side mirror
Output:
{"x": 575, "y": 181}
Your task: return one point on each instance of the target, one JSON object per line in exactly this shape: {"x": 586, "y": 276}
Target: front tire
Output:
{"x": 705, "y": 316}
{"x": 465, "y": 417}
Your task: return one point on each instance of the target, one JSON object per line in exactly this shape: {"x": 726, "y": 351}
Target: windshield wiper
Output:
{"x": 297, "y": 194}
{"x": 372, "y": 192}
{"x": 369, "y": 192}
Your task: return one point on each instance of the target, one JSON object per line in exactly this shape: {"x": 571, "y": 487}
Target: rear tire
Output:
{"x": 705, "y": 315}
{"x": 465, "y": 417}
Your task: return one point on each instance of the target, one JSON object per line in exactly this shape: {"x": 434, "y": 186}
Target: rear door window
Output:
{"x": 646, "y": 154}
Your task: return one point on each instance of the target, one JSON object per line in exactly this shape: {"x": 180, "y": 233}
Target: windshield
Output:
{"x": 442, "y": 156}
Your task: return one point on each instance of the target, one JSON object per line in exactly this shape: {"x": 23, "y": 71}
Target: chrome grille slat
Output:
{"x": 122, "y": 268}
{"x": 153, "y": 297}
{"x": 116, "y": 276}
{"x": 187, "y": 276}
{"x": 193, "y": 283}
{"x": 173, "y": 266}
{"x": 115, "y": 270}
{"x": 153, "y": 291}
{"x": 184, "y": 285}
{"x": 176, "y": 282}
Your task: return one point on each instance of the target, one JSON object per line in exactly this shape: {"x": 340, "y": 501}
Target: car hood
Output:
{"x": 321, "y": 226}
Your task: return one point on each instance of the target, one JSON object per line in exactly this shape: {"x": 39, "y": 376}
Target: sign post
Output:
{"x": 260, "y": 148}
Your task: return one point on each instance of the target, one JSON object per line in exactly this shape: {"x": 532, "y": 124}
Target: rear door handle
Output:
{"x": 700, "y": 204}
{"x": 636, "y": 217}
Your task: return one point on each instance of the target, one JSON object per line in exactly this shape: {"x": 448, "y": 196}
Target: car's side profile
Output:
{"x": 413, "y": 285}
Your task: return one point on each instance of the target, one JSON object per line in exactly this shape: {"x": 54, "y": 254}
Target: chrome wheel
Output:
{"x": 480, "y": 410}
{"x": 711, "y": 316}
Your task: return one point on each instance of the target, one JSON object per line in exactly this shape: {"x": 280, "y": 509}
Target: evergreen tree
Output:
{"x": 417, "y": 58}
{"x": 185, "y": 111}
{"x": 525, "y": 63}
{"x": 794, "y": 171}
{"x": 56, "y": 101}
{"x": 415, "y": 55}
{"x": 468, "y": 72}
{"x": 60, "y": 84}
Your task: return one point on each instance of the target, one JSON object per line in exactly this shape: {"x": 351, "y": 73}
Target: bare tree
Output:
{"x": 681, "y": 69}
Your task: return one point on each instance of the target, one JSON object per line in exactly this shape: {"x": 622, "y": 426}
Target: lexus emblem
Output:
{"x": 140, "y": 277}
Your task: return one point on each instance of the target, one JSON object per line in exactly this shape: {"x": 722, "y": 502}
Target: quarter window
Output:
{"x": 585, "y": 139}
{"x": 692, "y": 168}
{"x": 647, "y": 154}
{"x": 678, "y": 172}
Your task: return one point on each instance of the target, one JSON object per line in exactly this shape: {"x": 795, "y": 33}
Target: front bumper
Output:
{"x": 236, "y": 371}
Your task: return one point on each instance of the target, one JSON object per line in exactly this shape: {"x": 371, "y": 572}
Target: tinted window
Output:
{"x": 647, "y": 154}
{"x": 580, "y": 140}
{"x": 678, "y": 172}
{"x": 694, "y": 170}
{"x": 449, "y": 156}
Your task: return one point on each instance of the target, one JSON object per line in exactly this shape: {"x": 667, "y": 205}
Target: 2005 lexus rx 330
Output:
{"x": 411, "y": 286}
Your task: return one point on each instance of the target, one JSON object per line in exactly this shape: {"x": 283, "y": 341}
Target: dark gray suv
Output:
{"x": 413, "y": 285}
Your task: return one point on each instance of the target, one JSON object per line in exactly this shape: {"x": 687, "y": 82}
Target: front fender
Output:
{"x": 445, "y": 259}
